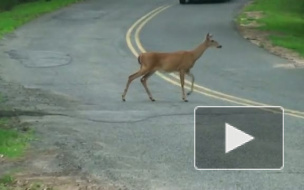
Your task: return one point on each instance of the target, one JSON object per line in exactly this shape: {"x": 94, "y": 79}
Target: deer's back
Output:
{"x": 168, "y": 62}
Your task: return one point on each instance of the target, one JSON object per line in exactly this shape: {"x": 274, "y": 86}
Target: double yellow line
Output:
{"x": 134, "y": 44}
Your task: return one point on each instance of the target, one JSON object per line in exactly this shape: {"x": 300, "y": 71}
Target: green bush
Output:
{"x": 6, "y": 5}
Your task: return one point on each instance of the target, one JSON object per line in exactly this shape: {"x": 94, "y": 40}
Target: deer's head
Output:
{"x": 212, "y": 43}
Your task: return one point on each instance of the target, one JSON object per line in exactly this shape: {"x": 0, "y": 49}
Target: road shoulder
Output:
{"x": 249, "y": 27}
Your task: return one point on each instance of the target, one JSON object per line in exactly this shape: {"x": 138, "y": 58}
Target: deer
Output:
{"x": 179, "y": 61}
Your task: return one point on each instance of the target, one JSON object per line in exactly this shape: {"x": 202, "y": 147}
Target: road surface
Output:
{"x": 80, "y": 54}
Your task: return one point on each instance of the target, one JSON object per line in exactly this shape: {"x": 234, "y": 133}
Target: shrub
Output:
{"x": 8, "y": 4}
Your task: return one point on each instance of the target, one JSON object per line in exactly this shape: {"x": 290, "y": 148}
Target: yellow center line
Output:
{"x": 143, "y": 23}
{"x": 197, "y": 88}
{"x": 129, "y": 32}
{"x": 233, "y": 97}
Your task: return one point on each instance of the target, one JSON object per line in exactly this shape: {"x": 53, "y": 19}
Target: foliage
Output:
{"x": 284, "y": 18}
{"x": 22, "y": 13}
{"x": 9, "y": 4}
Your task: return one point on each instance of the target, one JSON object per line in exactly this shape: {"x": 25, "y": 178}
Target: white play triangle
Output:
{"x": 235, "y": 138}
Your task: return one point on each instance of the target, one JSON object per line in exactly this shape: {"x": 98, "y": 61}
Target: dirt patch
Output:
{"x": 56, "y": 182}
{"x": 255, "y": 14}
{"x": 249, "y": 30}
{"x": 250, "y": 19}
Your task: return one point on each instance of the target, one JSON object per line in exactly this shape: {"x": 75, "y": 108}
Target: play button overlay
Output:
{"x": 238, "y": 138}
{"x": 235, "y": 138}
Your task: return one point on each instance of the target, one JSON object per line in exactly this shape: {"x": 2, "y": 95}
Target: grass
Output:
{"x": 5, "y": 181}
{"x": 20, "y": 14}
{"x": 8, "y": 182}
{"x": 12, "y": 142}
{"x": 283, "y": 18}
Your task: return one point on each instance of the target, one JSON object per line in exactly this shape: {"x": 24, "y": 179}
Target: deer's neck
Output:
{"x": 199, "y": 50}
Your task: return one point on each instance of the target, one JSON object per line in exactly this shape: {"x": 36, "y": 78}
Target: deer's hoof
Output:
{"x": 188, "y": 93}
{"x": 185, "y": 100}
{"x": 152, "y": 99}
{"x": 123, "y": 100}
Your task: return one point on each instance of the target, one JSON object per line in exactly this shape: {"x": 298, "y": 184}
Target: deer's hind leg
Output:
{"x": 131, "y": 78}
{"x": 144, "y": 82}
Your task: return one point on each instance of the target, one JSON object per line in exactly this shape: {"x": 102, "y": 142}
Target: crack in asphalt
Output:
{"x": 16, "y": 113}
{"x": 135, "y": 121}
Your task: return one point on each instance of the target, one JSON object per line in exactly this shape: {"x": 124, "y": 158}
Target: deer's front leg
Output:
{"x": 182, "y": 80}
{"x": 192, "y": 82}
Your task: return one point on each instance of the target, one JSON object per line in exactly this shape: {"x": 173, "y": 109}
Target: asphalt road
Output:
{"x": 80, "y": 52}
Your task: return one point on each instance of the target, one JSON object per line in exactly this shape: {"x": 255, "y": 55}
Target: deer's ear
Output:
{"x": 207, "y": 36}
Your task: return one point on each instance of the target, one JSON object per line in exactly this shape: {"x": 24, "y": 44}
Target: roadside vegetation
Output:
{"x": 8, "y": 182}
{"x": 13, "y": 142}
{"x": 284, "y": 19}
{"x": 14, "y": 13}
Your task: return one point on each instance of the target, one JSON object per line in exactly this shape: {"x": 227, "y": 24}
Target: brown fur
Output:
{"x": 179, "y": 61}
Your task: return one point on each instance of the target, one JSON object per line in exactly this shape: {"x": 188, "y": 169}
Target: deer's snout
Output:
{"x": 220, "y": 46}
